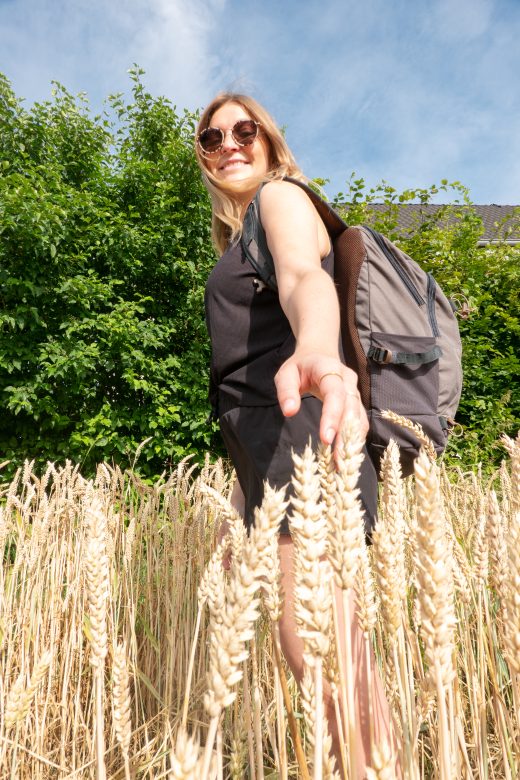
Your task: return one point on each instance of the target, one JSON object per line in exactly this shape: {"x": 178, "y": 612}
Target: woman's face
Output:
{"x": 234, "y": 162}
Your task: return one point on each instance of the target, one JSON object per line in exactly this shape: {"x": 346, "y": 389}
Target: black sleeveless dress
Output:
{"x": 251, "y": 337}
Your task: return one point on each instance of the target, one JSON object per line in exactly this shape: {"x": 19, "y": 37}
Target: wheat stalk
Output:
{"x": 310, "y": 706}
{"x": 435, "y": 595}
{"x": 97, "y": 578}
{"x": 512, "y": 597}
{"x": 513, "y": 448}
{"x": 498, "y": 554}
{"x": 20, "y": 696}
{"x": 228, "y": 635}
{"x": 121, "y": 703}
{"x": 415, "y": 428}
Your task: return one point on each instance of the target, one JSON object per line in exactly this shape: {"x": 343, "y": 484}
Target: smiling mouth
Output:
{"x": 233, "y": 164}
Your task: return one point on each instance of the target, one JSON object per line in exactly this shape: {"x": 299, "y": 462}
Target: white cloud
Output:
{"x": 175, "y": 46}
{"x": 409, "y": 92}
{"x": 89, "y": 45}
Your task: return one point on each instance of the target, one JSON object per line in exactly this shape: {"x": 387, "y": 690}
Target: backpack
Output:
{"x": 398, "y": 330}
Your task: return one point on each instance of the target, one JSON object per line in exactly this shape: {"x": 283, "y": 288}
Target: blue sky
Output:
{"x": 410, "y": 91}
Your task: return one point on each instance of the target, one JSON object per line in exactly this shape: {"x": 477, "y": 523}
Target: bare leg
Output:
{"x": 292, "y": 647}
{"x": 237, "y": 499}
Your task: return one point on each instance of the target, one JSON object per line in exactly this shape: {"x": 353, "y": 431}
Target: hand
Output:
{"x": 327, "y": 379}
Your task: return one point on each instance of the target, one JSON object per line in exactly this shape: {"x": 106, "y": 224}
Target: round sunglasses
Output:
{"x": 244, "y": 133}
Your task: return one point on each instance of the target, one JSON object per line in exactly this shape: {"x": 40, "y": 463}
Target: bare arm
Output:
{"x": 308, "y": 298}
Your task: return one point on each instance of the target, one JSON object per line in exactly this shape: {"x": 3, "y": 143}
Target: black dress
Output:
{"x": 251, "y": 337}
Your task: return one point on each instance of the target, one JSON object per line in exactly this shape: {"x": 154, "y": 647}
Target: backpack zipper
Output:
{"x": 396, "y": 265}
{"x": 431, "y": 306}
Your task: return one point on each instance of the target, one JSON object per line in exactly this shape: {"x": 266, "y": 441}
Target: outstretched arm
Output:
{"x": 308, "y": 298}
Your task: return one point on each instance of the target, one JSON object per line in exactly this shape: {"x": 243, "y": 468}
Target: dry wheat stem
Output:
{"x": 257, "y": 725}
{"x": 97, "y": 577}
{"x": 232, "y": 630}
{"x": 415, "y": 428}
{"x": 513, "y": 448}
{"x": 122, "y": 703}
{"x": 512, "y": 598}
{"x": 21, "y": 696}
{"x": 435, "y": 581}
{"x": 345, "y": 539}
{"x": 153, "y": 604}
{"x": 293, "y": 726}
{"x": 433, "y": 572}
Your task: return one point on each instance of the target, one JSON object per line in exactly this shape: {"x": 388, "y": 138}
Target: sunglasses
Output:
{"x": 244, "y": 133}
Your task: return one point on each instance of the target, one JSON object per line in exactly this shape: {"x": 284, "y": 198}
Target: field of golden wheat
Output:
{"x": 127, "y": 651}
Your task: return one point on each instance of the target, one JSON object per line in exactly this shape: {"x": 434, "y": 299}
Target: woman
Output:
{"x": 277, "y": 375}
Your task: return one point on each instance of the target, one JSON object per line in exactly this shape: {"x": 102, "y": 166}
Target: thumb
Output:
{"x": 287, "y": 381}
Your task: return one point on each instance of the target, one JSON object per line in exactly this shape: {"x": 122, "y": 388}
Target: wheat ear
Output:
{"x": 345, "y": 539}
{"x": 498, "y": 555}
{"x": 436, "y": 596}
{"x": 383, "y": 764}
{"x": 312, "y": 581}
{"x": 391, "y": 504}
{"x": 229, "y": 635}
{"x": 513, "y": 448}
{"x": 512, "y": 597}
{"x": 121, "y": 703}
{"x": 415, "y": 428}
{"x": 185, "y": 758}
{"x": 97, "y": 577}
{"x": 20, "y": 696}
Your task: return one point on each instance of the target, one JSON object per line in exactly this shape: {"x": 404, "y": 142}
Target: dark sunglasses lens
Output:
{"x": 211, "y": 139}
{"x": 245, "y": 132}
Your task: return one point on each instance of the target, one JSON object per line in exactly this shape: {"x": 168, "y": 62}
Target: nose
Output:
{"x": 229, "y": 142}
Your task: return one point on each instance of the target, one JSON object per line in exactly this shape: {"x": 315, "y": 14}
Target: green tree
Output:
{"x": 104, "y": 249}
{"x": 104, "y": 253}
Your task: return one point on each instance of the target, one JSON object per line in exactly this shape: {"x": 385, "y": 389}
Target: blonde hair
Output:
{"x": 227, "y": 216}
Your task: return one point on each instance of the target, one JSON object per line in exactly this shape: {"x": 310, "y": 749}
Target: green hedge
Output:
{"x": 104, "y": 252}
{"x": 104, "y": 249}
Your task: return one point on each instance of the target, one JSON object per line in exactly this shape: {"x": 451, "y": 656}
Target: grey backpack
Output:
{"x": 398, "y": 329}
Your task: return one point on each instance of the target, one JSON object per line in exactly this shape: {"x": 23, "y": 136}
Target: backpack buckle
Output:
{"x": 380, "y": 355}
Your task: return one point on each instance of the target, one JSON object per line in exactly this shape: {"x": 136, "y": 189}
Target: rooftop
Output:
{"x": 501, "y": 223}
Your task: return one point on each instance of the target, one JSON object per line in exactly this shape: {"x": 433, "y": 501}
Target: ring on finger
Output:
{"x": 354, "y": 395}
{"x": 330, "y": 373}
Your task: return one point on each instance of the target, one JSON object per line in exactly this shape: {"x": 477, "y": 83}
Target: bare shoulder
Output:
{"x": 283, "y": 197}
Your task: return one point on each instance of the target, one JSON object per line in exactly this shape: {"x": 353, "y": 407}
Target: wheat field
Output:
{"x": 128, "y": 651}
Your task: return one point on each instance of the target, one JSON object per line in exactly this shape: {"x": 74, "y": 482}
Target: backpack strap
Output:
{"x": 254, "y": 243}
{"x": 254, "y": 239}
{"x": 380, "y": 355}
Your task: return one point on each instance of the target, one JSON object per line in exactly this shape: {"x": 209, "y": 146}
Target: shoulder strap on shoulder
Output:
{"x": 330, "y": 217}
{"x": 254, "y": 240}
{"x": 254, "y": 243}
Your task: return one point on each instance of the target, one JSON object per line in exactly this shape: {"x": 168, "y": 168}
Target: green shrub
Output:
{"x": 104, "y": 253}
{"x": 104, "y": 250}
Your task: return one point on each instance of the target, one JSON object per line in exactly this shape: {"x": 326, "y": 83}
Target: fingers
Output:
{"x": 354, "y": 407}
{"x": 332, "y": 391}
{"x": 287, "y": 382}
{"x": 340, "y": 398}
{"x": 330, "y": 381}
